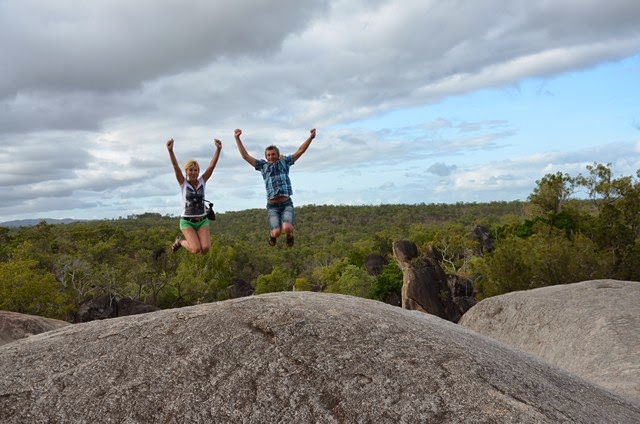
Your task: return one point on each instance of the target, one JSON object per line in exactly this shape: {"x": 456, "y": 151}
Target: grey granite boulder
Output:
{"x": 296, "y": 357}
{"x": 425, "y": 286}
{"x": 14, "y": 326}
{"x": 591, "y": 328}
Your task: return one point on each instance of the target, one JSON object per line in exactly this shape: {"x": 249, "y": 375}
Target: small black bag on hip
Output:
{"x": 210, "y": 213}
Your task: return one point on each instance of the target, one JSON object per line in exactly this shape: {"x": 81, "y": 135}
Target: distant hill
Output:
{"x": 36, "y": 221}
{"x": 337, "y": 217}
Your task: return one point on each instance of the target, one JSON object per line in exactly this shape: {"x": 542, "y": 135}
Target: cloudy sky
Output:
{"x": 414, "y": 101}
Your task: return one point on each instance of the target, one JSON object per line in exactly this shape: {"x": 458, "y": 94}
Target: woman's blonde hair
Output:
{"x": 188, "y": 164}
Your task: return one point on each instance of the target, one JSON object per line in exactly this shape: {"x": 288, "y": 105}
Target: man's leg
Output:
{"x": 287, "y": 221}
{"x": 273, "y": 214}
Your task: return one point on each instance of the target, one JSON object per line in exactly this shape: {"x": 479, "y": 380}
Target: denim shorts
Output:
{"x": 279, "y": 213}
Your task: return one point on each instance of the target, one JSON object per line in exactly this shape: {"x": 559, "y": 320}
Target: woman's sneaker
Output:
{"x": 177, "y": 244}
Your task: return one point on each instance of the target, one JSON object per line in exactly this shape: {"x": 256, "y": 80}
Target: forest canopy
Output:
{"x": 570, "y": 229}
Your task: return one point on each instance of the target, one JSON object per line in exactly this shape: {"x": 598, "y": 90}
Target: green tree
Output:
{"x": 76, "y": 276}
{"x": 328, "y": 275}
{"x": 26, "y": 289}
{"x": 277, "y": 281}
{"x": 199, "y": 278}
{"x": 456, "y": 246}
{"x": 616, "y": 225}
{"x": 302, "y": 284}
{"x": 389, "y": 281}
{"x": 540, "y": 260}
{"x": 354, "y": 281}
{"x": 5, "y": 244}
{"x": 551, "y": 193}
{"x": 550, "y": 198}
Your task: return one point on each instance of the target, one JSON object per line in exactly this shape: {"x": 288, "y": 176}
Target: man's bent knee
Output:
{"x": 275, "y": 232}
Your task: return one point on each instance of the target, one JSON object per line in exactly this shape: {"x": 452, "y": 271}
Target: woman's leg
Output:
{"x": 192, "y": 241}
{"x": 204, "y": 237}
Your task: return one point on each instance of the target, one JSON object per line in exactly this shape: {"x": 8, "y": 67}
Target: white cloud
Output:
{"x": 90, "y": 91}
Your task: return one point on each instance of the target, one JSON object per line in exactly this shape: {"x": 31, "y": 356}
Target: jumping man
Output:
{"x": 275, "y": 172}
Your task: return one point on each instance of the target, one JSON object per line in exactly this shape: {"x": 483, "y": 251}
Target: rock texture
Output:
{"x": 128, "y": 306}
{"x": 591, "y": 328}
{"x": 374, "y": 263}
{"x": 14, "y": 326}
{"x": 296, "y": 357}
{"x": 108, "y": 306}
{"x": 425, "y": 287}
{"x": 483, "y": 236}
{"x": 240, "y": 288}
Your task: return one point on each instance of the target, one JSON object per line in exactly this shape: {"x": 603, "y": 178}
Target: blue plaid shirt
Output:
{"x": 276, "y": 176}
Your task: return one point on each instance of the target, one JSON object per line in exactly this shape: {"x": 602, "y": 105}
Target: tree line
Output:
{"x": 570, "y": 229}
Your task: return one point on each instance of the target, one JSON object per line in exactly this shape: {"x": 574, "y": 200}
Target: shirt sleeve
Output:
{"x": 289, "y": 160}
{"x": 259, "y": 164}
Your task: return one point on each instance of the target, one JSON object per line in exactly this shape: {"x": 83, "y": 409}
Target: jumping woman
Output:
{"x": 194, "y": 223}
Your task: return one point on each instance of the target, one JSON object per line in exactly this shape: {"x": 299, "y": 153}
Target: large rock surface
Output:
{"x": 14, "y": 326}
{"x": 591, "y": 328}
{"x": 289, "y": 357}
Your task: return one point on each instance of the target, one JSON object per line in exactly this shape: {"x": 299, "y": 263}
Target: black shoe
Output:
{"x": 272, "y": 241}
{"x": 290, "y": 240}
{"x": 176, "y": 244}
